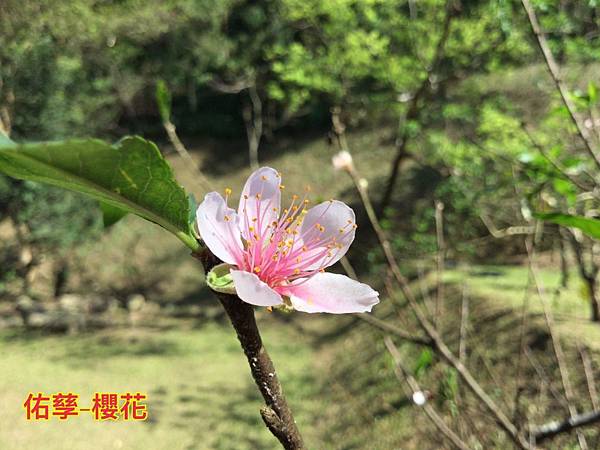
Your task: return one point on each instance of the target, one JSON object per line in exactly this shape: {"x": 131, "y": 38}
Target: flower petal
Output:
{"x": 338, "y": 221}
{"x": 260, "y": 201}
{"x": 218, "y": 227}
{"x": 253, "y": 290}
{"x": 332, "y": 293}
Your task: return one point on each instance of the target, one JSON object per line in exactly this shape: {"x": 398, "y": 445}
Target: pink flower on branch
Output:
{"x": 278, "y": 257}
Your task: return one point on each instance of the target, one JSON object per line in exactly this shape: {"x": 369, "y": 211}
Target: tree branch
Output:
{"x": 556, "y": 77}
{"x": 276, "y": 413}
{"x": 552, "y": 429}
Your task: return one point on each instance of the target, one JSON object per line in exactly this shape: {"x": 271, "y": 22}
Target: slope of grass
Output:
{"x": 200, "y": 393}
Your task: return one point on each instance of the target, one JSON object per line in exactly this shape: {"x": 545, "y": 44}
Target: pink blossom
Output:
{"x": 280, "y": 256}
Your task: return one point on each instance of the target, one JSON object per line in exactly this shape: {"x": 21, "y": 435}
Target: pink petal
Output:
{"x": 263, "y": 183}
{"x": 333, "y": 216}
{"x": 218, "y": 227}
{"x": 253, "y": 290}
{"x": 332, "y": 293}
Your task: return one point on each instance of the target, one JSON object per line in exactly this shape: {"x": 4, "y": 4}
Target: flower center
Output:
{"x": 278, "y": 248}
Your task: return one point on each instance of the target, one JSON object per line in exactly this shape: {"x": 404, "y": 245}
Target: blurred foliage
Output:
{"x": 88, "y": 67}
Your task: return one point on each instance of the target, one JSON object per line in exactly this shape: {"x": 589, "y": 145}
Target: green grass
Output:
{"x": 200, "y": 393}
{"x": 507, "y": 286}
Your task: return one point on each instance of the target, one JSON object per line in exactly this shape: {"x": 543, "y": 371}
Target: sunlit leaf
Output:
{"x": 131, "y": 176}
{"x": 589, "y": 226}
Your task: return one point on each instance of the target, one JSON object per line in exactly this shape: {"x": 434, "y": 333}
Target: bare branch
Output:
{"x": 191, "y": 163}
{"x": 464, "y": 323}
{"x": 510, "y": 231}
{"x": 555, "y": 428}
{"x": 558, "y": 350}
{"x": 441, "y": 250}
{"x": 556, "y": 164}
{"x": 230, "y": 88}
{"x": 589, "y": 375}
{"x": 253, "y": 120}
{"x": 402, "y": 372}
{"x": 558, "y": 81}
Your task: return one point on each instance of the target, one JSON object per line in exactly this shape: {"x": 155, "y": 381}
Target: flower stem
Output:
{"x": 275, "y": 413}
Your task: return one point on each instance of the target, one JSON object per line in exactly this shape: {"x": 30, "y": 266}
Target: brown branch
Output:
{"x": 464, "y": 325}
{"x": 253, "y": 119}
{"x": 510, "y": 231}
{"x": 389, "y": 328}
{"x": 558, "y": 81}
{"x": 552, "y": 429}
{"x": 441, "y": 250}
{"x": 276, "y": 413}
{"x": 402, "y": 372}
{"x": 589, "y": 375}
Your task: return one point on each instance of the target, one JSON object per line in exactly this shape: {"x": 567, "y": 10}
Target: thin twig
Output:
{"x": 402, "y": 372}
{"x": 441, "y": 250}
{"x": 589, "y": 375}
{"x": 381, "y": 324}
{"x": 253, "y": 120}
{"x": 464, "y": 323}
{"x": 191, "y": 163}
{"x": 558, "y": 350}
{"x": 522, "y": 347}
{"x": 556, "y": 164}
{"x": 543, "y": 376}
{"x": 554, "y": 71}
{"x": 510, "y": 231}
{"x": 552, "y": 429}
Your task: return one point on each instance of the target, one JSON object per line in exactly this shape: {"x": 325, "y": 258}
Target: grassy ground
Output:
{"x": 200, "y": 394}
{"x": 507, "y": 286}
{"x": 335, "y": 371}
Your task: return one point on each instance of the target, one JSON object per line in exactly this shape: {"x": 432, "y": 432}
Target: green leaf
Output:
{"x": 111, "y": 214}
{"x": 592, "y": 93}
{"x": 219, "y": 279}
{"x": 591, "y": 227}
{"x": 131, "y": 175}
{"x": 163, "y": 98}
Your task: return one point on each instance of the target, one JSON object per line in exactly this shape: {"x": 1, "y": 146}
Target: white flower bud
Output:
{"x": 419, "y": 398}
{"x": 342, "y": 160}
{"x": 363, "y": 183}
